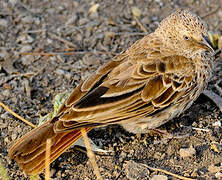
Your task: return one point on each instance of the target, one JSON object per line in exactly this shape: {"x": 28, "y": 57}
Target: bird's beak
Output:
{"x": 206, "y": 44}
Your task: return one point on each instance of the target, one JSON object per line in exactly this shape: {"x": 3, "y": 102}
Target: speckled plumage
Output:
{"x": 153, "y": 81}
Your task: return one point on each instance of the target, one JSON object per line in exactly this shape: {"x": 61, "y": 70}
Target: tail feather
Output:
{"x": 29, "y": 151}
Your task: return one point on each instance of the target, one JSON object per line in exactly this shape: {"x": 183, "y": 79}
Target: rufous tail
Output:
{"x": 29, "y": 151}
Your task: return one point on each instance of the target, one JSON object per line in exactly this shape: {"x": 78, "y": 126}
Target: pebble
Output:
{"x": 71, "y": 20}
{"x": 13, "y": 2}
{"x": 27, "y": 20}
{"x": 90, "y": 60}
{"x": 108, "y": 38}
{"x": 187, "y": 152}
{"x": 24, "y": 39}
{"x": 219, "y": 14}
{"x": 83, "y": 21}
{"x": 214, "y": 169}
{"x": 37, "y": 21}
{"x": 68, "y": 75}
{"x": 3, "y": 125}
{"x": 60, "y": 71}
{"x": 94, "y": 8}
{"x": 135, "y": 171}
{"x": 218, "y": 175}
{"x": 136, "y": 11}
{"x": 159, "y": 155}
{"x": 159, "y": 177}
{"x": 6, "y": 93}
{"x": 6, "y": 140}
{"x": 217, "y": 123}
{"x": 3, "y": 23}
{"x": 14, "y": 136}
{"x": 26, "y": 48}
{"x": 28, "y": 59}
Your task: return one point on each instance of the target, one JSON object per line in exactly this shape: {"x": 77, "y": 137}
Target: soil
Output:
{"x": 96, "y": 33}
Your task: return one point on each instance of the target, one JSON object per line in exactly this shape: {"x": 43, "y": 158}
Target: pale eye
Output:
{"x": 186, "y": 37}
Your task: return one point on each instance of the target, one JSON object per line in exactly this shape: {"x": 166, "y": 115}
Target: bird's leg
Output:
{"x": 214, "y": 97}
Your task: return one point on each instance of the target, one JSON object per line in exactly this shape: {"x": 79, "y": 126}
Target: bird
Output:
{"x": 141, "y": 88}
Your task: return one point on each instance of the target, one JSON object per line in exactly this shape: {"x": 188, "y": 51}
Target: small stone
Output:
{"x": 4, "y": 116}
{"x": 135, "y": 171}
{"x": 27, "y": 60}
{"x": 24, "y": 39}
{"x": 216, "y": 147}
{"x": 108, "y": 37}
{"x": 71, "y": 20}
{"x": 187, "y": 152}
{"x": 6, "y": 140}
{"x": 136, "y": 11}
{"x": 13, "y": 2}
{"x": 2, "y": 125}
{"x": 220, "y": 42}
{"x": 83, "y": 21}
{"x": 27, "y": 20}
{"x": 218, "y": 175}
{"x": 4, "y": 54}
{"x": 6, "y": 93}
{"x": 214, "y": 169}
{"x": 26, "y": 48}
{"x": 3, "y": 23}
{"x": 90, "y": 60}
{"x": 219, "y": 13}
{"x": 159, "y": 177}
{"x": 7, "y": 86}
{"x": 37, "y": 21}
{"x": 157, "y": 155}
{"x": 68, "y": 75}
{"x": 217, "y": 123}
{"x": 60, "y": 71}
{"x": 14, "y": 136}
{"x": 93, "y": 8}
{"x": 123, "y": 154}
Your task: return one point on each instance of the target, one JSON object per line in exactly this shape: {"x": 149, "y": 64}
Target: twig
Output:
{"x": 47, "y": 159}
{"x": 198, "y": 129}
{"x": 62, "y": 40}
{"x": 91, "y": 154}
{"x": 131, "y": 34}
{"x": 29, "y": 74}
{"x": 27, "y": 87}
{"x": 167, "y": 172}
{"x": 211, "y": 12}
{"x": 16, "y": 115}
{"x": 34, "y": 31}
{"x": 23, "y": 74}
{"x": 64, "y": 53}
{"x": 140, "y": 25}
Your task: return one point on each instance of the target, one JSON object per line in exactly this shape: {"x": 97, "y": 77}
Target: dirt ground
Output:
{"x": 96, "y": 31}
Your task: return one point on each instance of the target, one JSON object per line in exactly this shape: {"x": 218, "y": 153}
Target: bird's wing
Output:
{"x": 133, "y": 85}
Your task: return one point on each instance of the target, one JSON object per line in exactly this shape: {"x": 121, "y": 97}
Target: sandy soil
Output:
{"x": 28, "y": 84}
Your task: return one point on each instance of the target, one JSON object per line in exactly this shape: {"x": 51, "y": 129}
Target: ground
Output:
{"x": 96, "y": 31}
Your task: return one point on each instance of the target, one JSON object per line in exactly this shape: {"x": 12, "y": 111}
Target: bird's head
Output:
{"x": 184, "y": 33}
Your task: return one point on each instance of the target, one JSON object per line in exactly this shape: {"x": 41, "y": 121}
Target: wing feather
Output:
{"x": 126, "y": 89}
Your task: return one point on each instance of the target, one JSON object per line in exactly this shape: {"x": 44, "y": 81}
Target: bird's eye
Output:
{"x": 186, "y": 38}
